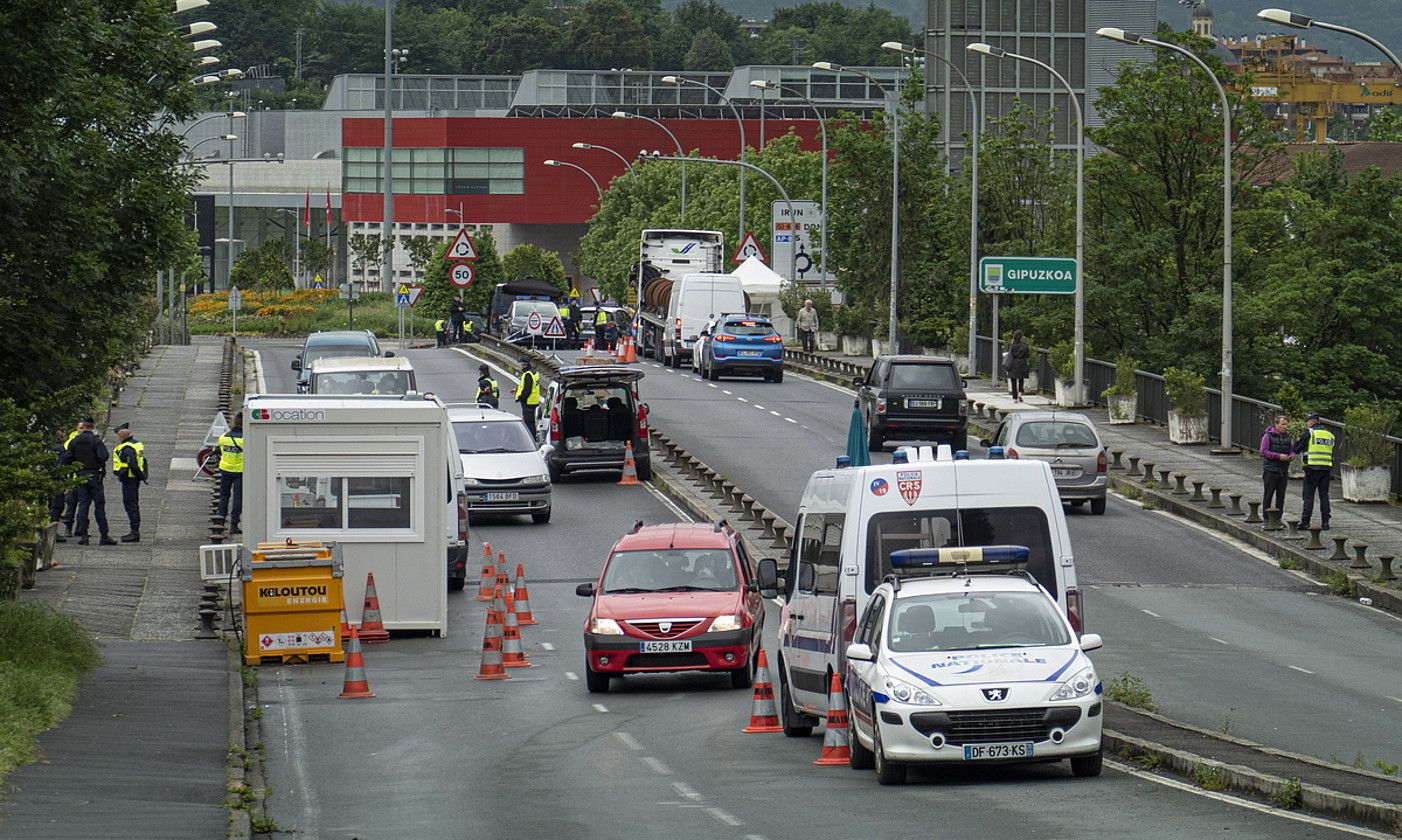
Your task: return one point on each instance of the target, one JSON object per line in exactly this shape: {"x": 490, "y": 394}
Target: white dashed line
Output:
{"x": 727, "y": 393}
{"x": 724, "y": 817}
{"x": 546, "y": 646}
{"x": 1394, "y": 699}
{"x": 1219, "y": 641}
{"x": 657, "y": 766}
{"x": 571, "y": 675}
{"x": 775, "y": 413}
{"x": 760, "y": 407}
{"x": 742, "y": 399}
{"x": 1151, "y": 613}
{"x": 601, "y": 708}
{"x": 1301, "y": 670}
{"x": 687, "y": 791}
{"x": 791, "y": 420}
{"x": 628, "y": 741}
{"x": 713, "y": 385}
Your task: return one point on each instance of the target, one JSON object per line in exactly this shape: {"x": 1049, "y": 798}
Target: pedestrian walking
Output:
{"x": 87, "y": 450}
{"x": 457, "y": 313}
{"x": 807, "y": 324}
{"x": 1017, "y": 355}
{"x": 440, "y": 332}
{"x": 488, "y": 392}
{"x": 129, "y": 465}
{"x": 230, "y": 507}
{"x": 1317, "y": 445}
{"x": 528, "y": 395}
{"x": 1277, "y": 452}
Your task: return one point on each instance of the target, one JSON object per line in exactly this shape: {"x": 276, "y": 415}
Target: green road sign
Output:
{"x": 1027, "y": 275}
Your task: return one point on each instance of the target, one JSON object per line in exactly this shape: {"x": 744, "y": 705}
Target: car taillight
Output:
{"x": 963, "y": 408}
{"x": 554, "y": 425}
{"x": 462, "y": 516}
{"x": 642, "y": 421}
{"x": 722, "y": 338}
{"x": 1074, "y": 610}
{"x": 1100, "y": 461}
{"x": 774, "y": 339}
{"x": 880, "y": 405}
{"x": 1010, "y": 453}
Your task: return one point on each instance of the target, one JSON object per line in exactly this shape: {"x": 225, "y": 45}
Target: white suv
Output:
{"x": 503, "y": 472}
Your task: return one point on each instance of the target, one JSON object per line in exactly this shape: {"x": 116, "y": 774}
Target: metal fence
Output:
{"x": 1249, "y": 417}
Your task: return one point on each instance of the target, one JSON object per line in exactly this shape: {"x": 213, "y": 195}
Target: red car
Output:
{"x": 676, "y": 597}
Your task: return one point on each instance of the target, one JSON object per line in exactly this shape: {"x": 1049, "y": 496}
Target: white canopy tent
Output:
{"x": 763, "y": 285}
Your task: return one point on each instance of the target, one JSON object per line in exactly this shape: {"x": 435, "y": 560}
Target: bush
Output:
{"x": 1131, "y": 691}
{"x": 1184, "y": 390}
{"x": 1124, "y": 386}
{"x": 1366, "y": 427}
{"x": 42, "y": 654}
{"x": 1062, "y": 357}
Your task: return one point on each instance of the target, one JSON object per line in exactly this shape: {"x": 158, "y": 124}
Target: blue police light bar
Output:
{"x": 967, "y": 556}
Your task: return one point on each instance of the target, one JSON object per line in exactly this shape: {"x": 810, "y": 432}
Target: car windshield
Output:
{"x": 749, "y": 328}
{"x": 975, "y": 621}
{"x": 1056, "y": 434}
{"x": 919, "y": 376}
{"x": 670, "y": 570}
{"x": 368, "y": 382}
{"x": 895, "y": 530}
{"x": 326, "y": 351}
{"x": 492, "y": 437}
{"x": 523, "y": 308}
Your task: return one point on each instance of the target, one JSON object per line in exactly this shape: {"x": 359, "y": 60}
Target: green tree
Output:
{"x": 517, "y": 43}
{"x": 708, "y": 52}
{"x": 1385, "y": 125}
{"x": 833, "y": 32}
{"x": 433, "y": 302}
{"x": 263, "y": 268}
{"x": 422, "y": 250}
{"x": 365, "y": 250}
{"x": 606, "y": 34}
{"x": 316, "y": 257}
{"x": 527, "y": 260}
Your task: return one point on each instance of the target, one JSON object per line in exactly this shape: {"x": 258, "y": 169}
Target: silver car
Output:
{"x": 1065, "y": 440}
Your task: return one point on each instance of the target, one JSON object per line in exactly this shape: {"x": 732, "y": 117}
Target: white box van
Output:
{"x": 380, "y": 477}
{"x": 850, "y": 521}
{"x": 694, "y": 301}
{"x": 362, "y": 375}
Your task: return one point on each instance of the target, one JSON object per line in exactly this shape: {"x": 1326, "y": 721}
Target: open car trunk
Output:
{"x": 597, "y": 417}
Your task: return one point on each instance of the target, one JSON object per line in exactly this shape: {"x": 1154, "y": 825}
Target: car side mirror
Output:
{"x": 858, "y": 382}
{"x": 768, "y": 577}
{"x": 296, "y": 364}
{"x": 860, "y": 651}
{"x": 1091, "y": 641}
{"x": 585, "y": 590}
{"x": 985, "y": 442}
{"x": 963, "y": 383}
{"x": 389, "y": 354}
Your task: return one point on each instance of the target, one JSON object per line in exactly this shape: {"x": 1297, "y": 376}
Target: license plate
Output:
{"x": 980, "y": 752}
{"x": 749, "y": 353}
{"x": 683, "y": 646}
{"x": 500, "y": 497}
{"x": 1065, "y": 472}
{"x": 923, "y": 403}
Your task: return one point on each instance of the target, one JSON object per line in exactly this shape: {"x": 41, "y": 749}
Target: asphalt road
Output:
{"x": 437, "y": 754}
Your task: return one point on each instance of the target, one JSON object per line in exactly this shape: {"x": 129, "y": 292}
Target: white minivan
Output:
{"x": 694, "y": 301}
{"x": 849, "y": 522}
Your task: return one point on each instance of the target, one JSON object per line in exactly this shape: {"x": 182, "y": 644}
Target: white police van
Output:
{"x": 851, "y": 520}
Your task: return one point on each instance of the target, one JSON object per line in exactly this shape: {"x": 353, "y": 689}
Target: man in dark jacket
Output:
{"x": 1018, "y": 354}
{"x": 457, "y": 313}
{"x": 88, "y": 451}
{"x": 1276, "y": 455}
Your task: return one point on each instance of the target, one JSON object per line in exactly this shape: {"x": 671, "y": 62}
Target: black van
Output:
{"x": 914, "y": 398}
{"x": 588, "y": 417}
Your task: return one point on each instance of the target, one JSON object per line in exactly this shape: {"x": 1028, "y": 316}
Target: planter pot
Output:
{"x": 880, "y": 347}
{"x": 1366, "y": 484}
{"x": 1187, "y": 429}
{"x": 1066, "y": 394}
{"x": 855, "y": 345}
{"x": 827, "y": 341}
{"x": 1122, "y": 408}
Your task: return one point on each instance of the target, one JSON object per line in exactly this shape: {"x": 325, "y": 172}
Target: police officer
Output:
{"x": 566, "y": 320}
{"x": 488, "y": 392}
{"x": 231, "y": 475}
{"x": 440, "y": 332}
{"x": 528, "y": 395}
{"x": 1317, "y": 444}
{"x": 457, "y": 313}
{"x": 129, "y": 465}
{"x": 603, "y": 329}
{"x": 88, "y": 451}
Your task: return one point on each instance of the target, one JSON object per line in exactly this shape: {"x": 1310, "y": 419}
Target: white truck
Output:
{"x": 664, "y": 257}
{"x": 378, "y": 475}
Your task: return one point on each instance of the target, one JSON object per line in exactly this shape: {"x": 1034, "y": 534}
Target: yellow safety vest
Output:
{"x": 467, "y": 325}
{"x": 70, "y": 437}
{"x": 601, "y": 317}
{"x": 533, "y": 394}
{"x": 1321, "y": 449}
{"x": 133, "y": 468}
{"x": 564, "y": 312}
{"x": 231, "y": 453}
{"x": 438, "y": 325}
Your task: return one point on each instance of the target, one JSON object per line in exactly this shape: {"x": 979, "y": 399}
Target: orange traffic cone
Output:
{"x": 489, "y": 574}
{"x": 630, "y": 469}
{"x": 522, "y": 598}
{"x": 630, "y": 353}
{"x": 372, "y": 627}
{"x": 491, "y": 668}
{"x": 355, "y": 686}
{"x": 835, "y": 748}
{"x": 503, "y": 581}
{"x": 345, "y": 625}
{"x": 764, "y": 716}
{"x": 513, "y": 654}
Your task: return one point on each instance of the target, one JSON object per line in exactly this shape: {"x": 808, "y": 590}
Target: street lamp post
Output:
{"x": 678, "y": 80}
{"x": 1080, "y": 334}
{"x": 595, "y": 181}
{"x": 387, "y": 223}
{"x": 1298, "y": 21}
{"x": 895, "y": 105}
{"x": 1120, "y": 35}
{"x": 973, "y": 198}
{"x": 678, "y": 143}
{"x": 823, "y": 200}
{"x": 627, "y": 164}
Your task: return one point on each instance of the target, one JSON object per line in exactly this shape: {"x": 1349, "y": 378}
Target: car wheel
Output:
{"x": 887, "y": 772}
{"x": 875, "y": 440}
{"x": 1097, "y": 506}
{"x": 644, "y": 470}
{"x": 456, "y": 584}
{"x": 554, "y": 470}
{"x": 744, "y": 677}
{"x": 858, "y": 756}
{"x": 1088, "y": 766}
{"x": 778, "y": 376}
{"x": 541, "y": 518}
{"x": 596, "y": 683}
{"x": 792, "y": 721}
{"x": 711, "y": 373}
{"x": 960, "y": 442}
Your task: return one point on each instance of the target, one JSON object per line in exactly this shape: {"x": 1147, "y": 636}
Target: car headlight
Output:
{"x": 724, "y": 623}
{"x": 907, "y": 693}
{"x": 537, "y": 479}
{"x": 605, "y": 627}
{"x": 471, "y": 482}
{"x": 1082, "y": 684}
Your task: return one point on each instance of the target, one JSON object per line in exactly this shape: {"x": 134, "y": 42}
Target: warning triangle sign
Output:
{"x": 461, "y": 247}
{"x": 749, "y": 247}
{"x": 554, "y": 329}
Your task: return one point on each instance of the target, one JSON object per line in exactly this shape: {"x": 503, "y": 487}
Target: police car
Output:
{"x": 961, "y": 657}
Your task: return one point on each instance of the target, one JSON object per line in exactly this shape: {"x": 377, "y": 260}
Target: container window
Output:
{"x": 377, "y": 502}
{"x": 309, "y": 502}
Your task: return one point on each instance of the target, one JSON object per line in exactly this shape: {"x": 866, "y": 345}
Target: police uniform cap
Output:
{"x": 1314, "y": 415}
{"x": 123, "y": 426}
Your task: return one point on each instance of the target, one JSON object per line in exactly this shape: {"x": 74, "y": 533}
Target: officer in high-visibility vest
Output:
{"x": 129, "y": 465}
{"x": 488, "y": 392}
{"x": 440, "y": 331}
{"x": 231, "y": 475}
{"x": 604, "y": 332}
{"x": 566, "y": 320}
{"x": 66, "y": 506}
{"x": 1317, "y": 444}
{"x": 528, "y": 395}
{"x": 89, "y": 453}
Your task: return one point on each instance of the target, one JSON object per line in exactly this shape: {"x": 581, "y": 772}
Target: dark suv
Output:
{"x": 589, "y": 415}
{"x": 914, "y": 398}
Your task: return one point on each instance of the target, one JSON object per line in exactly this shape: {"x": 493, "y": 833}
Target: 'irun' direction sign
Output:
{"x": 1027, "y": 275}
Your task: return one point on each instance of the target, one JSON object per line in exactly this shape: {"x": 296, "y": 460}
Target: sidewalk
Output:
{"x": 142, "y": 755}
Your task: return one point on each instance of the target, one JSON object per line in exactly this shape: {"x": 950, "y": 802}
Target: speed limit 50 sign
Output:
{"x": 461, "y": 275}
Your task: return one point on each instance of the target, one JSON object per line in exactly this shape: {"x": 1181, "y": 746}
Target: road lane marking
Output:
{"x": 601, "y": 708}
{"x": 724, "y": 817}
{"x": 791, "y": 420}
{"x": 258, "y": 372}
{"x": 742, "y": 399}
{"x": 657, "y": 766}
{"x": 1301, "y": 670}
{"x": 713, "y": 385}
{"x": 687, "y": 791}
{"x": 775, "y": 413}
{"x": 1219, "y": 641}
{"x": 628, "y": 741}
{"x": 571, "y": 675}
{"x": 546, "y": 646}
{"x": 727, "y": 393}
{"x": 1394, "y": 699}
{"x": 671, "y": 505}
{"x": 296, "y": 752}
{"x": 1152, "y": 613}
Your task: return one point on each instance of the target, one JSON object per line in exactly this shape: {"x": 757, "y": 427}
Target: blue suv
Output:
{"x": 743, "y": 344}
